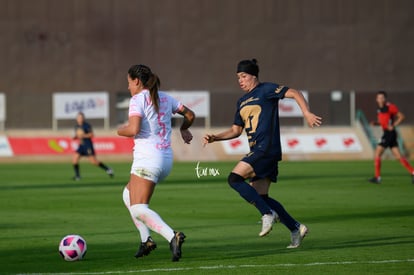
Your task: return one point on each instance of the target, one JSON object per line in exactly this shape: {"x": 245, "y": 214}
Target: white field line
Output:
{"x": 223, "y": 267}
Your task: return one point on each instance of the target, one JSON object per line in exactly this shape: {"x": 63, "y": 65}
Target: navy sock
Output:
{"x": 248, "y": 193}
{"x": 284, "y": 216}
{"x": 76, "y": 168}
{"x": 103, "y": 166}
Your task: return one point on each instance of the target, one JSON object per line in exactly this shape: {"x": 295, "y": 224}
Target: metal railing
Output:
{"x": 360, "y": 116}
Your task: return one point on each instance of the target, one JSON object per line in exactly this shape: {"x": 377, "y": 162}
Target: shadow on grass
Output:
{"x": 371, "y": 243}
{"x": 361, "y": 215}
{"x": 236, "y": 248}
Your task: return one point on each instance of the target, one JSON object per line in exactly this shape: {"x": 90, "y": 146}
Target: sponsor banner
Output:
{"x": 198, "y": 101}
{"x": 5, "y": 150}
{"x": 236, "y": 146}
{"x": 289, "y": 108}
{"x": 302, "y": 143}
{"x": 65, "y": 145}
{"x": 93, "y": 104}
{"x": 321, "y": 143}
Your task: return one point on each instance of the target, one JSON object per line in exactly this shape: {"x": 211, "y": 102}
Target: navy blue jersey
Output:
{"x": 258, "y": 113}
{"x": 86, "y": 128}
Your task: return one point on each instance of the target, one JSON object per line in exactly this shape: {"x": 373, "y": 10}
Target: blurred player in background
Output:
{"x": 149, "y": 123}
{"x": 258, "y": 113}
{"x": 388, "y": 117}
{"x": 83, "y": 132}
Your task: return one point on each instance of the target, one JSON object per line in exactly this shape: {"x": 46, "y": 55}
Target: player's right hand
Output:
{"x": 313, "y": 120}
{"x": 186, "y": 136}
{"x": 208, "y": 139}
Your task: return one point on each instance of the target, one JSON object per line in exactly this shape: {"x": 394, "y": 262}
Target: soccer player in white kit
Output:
{"x": 149, "y": 123}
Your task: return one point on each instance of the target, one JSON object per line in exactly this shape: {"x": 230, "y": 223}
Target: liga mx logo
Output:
{"x": 84, "y": 105}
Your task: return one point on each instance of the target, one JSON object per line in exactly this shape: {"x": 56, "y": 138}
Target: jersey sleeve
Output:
{"x": 237, "y": 117}
{"x": 276, "y": 91}
{"x": 176, "y": 105}
{"x": 87, "y": 128}
{"x": 393, "y": 109}
{"x": 136, "y": 107}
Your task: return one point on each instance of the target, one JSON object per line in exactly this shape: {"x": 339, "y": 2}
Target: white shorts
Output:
{"x": 154, "y": 166}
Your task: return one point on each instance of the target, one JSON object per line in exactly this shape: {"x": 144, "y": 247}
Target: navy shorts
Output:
{"x": 389, "y": 139}
{"x": 86, "y": 150}
{"x": 264, "y": 166}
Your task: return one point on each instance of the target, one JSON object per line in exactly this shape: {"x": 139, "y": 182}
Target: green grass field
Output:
{"x": 355, "y": 227}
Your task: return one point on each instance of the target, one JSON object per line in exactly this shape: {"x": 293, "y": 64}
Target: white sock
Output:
{"x": 142, "y": 228}
{"x": 152, "y": 220}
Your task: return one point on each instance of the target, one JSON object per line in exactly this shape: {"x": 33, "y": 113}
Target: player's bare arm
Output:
{"x": 233, "y": 132}
{"x": 189, "y": 117}
{"x": 312, "y": 119}
{"x": 399, "y": 117}
{"x": 131, "y": 128}
{"x": 88, "y": 135}
{"x": 79, "y": 134}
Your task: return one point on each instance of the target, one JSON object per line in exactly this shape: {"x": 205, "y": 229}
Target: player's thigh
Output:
{"x": 75, "y": 158}
{"x": 379, "y": 150}
{"x": 261, "y": 185}
{"x": 93, "y": 159}
{"x": 396, "y": 152}
{"x": 140, "y": 190}
{"x": 244, "y": 169}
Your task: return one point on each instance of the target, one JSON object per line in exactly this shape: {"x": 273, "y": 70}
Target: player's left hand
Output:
{"x": 313, "y": 120}
{"x": 186, "y": 136}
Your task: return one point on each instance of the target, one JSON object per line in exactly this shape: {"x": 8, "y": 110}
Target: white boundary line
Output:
{"x": 224, "y": 267}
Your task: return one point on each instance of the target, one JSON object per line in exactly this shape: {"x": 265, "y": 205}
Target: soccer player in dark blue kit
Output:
{"x": 83, "y": 132}
{"x": 258, "y": 113}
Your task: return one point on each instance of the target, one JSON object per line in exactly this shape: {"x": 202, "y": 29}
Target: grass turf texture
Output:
{"x": 355, "y": 227}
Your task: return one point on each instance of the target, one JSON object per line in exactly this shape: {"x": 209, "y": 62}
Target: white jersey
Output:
{"x": 155, "y": 127}
{"x": 153, "y": 156}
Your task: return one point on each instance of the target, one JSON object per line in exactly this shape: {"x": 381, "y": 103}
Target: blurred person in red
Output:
{"x": 388, "y": 117}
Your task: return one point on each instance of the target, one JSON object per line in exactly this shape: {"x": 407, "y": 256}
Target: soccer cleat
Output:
{"x": 297, "y": 236}
{"x": 375, "y": 180}
{"x": 146, "y": 248}
{"x": 76, "y": 178}
{"x": 267, "y": 223}
{"x": 110, "y": 172}
{"x": 175, "y": 245}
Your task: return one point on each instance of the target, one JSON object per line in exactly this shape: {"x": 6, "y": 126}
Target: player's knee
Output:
{"x": 139, "y": 211}
{"x": 234, "y": 179}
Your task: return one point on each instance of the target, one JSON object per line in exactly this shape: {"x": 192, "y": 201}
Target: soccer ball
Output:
{"x": 72, "y": 248}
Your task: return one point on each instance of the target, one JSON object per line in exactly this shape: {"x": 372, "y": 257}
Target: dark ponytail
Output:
{"x": 149, "y": 80}
{"x": 153, "y": 85}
